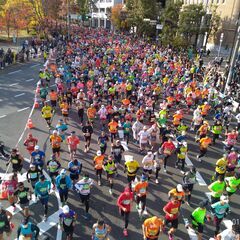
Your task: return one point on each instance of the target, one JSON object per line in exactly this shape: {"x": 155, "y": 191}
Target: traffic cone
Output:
{"x": 36, "y": 104}
{"x": 30, "y": 124}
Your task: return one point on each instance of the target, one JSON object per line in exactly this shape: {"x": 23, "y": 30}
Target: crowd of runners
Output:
{"x": 138, "y": 93}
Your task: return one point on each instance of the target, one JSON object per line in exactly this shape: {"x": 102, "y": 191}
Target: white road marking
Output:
{"x": 20, "y": 110}
{"x": 13, "y": 84}
{"x": 3, "y": 116}
{"x": 200, "y": 179}
{"x": 53, "y": 85}
{"x": 19, "y": 95}
{"x": 29, "y": 80}
{"x": 51, "y": 222}
{"x": 14, "y": 72}
{"x": 35, "y": 65}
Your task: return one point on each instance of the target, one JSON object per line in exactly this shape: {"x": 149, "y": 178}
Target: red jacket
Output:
{"x": 125, "y": 199}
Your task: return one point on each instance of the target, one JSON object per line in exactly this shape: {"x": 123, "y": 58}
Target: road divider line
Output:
{"x": 23, "y": 109}
{"x": 13, "y": 84}
{"x": 29, "y": 80}
{"x": 53, "y": 85}
{"x": 14, "y": 72}
{"x": 3, "y": 116}
{"x": 19, "y": 95}
{"x": 35, "y": 65}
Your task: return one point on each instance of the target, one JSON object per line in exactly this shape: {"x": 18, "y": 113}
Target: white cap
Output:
{"x": 65, "y": 209}
{"x": 184, "y": 144}
{"x": 63, "y": 172}
{"x": 99, "y": 153}
{"x": 145, "y": 127}
{"x": 179, "y": 188}
{"x": 36, "y": 147}
{"x": 54, "y": 131}
{"x": 224, "y": 198}
{"x": 149, "y": 152}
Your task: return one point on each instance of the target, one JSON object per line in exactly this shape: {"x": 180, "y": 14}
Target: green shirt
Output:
{"x": 217, "y": 188}
{"x": 126, "y": 127}
{"x": 233, "y": 184}
{"x": 199, "y": 215}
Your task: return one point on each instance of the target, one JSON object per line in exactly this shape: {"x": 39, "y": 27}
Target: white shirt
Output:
{"x": 143, "y": 136}
{"x": 148, "y": 162}
{"x": 84, "y": 187}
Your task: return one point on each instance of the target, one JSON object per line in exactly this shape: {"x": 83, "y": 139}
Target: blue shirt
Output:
{"x": 220, "y": 209}
{"x": 38, "y": 157}
{"x": 42, "y": 188}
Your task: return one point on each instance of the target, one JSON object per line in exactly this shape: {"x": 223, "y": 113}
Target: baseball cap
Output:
{"x": 63, "y": 172}
{"x": 65, "y": 209}
{"x": 99, "y": 153}
{"x": 224, "y": 198}
{"x": 179, "y": 188}
{"x": 36, "y": 147}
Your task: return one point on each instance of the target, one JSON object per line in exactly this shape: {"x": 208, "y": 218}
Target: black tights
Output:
{"x": 126, "y": 217}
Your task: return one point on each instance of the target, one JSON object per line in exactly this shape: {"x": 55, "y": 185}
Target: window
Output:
{"x": 223, "y": 1}
{"x": 102, "y": 10}
{"x": 102, "y": 1}
{"x": 108, "y": 1}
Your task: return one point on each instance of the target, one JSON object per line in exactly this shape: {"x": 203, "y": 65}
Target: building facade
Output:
{"x": 99, "y": 13}
{"x": 229, "y": 10}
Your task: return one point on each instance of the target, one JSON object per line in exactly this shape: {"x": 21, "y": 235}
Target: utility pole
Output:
{"x": 233, "y": 60}
{"x": 68, "y": 20}
{"x": 220, "y": 45}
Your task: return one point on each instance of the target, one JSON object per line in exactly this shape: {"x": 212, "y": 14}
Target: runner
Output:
{"x": 87, "y": 132}
{"x": 204, "y": 143}
{"x": 42, "y": 190}
{"x": 232, "y": 184}
{"x": 144, "y": 136}
{"x": 171, "y": 209}
{"x": 98, "y": 165}
{"x": 55, "y": 141}
{"x": 148, "y": 163}
{"x": 27, "y": 230}
{"x": 75, "y": 168}
{"x": 5, "y": 224}
{"x": 181, "y": 151}
{"x": 113, "y": 129}
{"x": 152, "y": 227}
{"x": 132, "y": 166}
{"x": 124, "y": 203}
{"x": 199, "y": 216}
{"x": 38, "y": 157}
{"x": 30, "y": 142}
{"x": 100, "y": 230}
{"x": 141, "y": 195}
{"x": 16, "y": 160}
{"x": 53, "y": 99}
{"x": 83, "y": 187}
{"x": 61, "y": 127}
{"x": 67, "y": 220}
{"x": 53, "y": 167}
{"x": 110, "y": 168}
{"x": 63, "y": 184}
{"x": 33, "y": 175}
{"x": 102, "y": 142}
{"x": 217, "y": 188}
{"x": 73, "y": 142}
{"x": 220, "y": 210}
{"x": 117, "y": 150}
{"x": 22, "y": 196}
{"x": 47, "y": 114}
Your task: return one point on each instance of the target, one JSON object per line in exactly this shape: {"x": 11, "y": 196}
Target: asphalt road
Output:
{"x": 17, "y": 84}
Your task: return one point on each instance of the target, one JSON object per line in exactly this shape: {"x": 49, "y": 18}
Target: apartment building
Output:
{"x": 99, "y": 13}
{"x": 229, "y": 10}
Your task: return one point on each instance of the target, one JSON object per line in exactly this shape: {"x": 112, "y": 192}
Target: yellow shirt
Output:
{"x": 47, "y": 112}
{"x": 221, "y": 166}
{"x": 132, "y": 167}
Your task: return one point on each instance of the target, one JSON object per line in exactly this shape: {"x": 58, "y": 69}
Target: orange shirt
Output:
{"x": 98, "y": 162}
{"x": 205, "y": 109}
{"x": 203, "y": 129}
{"x": 170, "y": 100}
{"x": 91, "y": 112}
{"x": 113, "y": 127}
{"x": 55, "y": 141}
{"x": 53, "y": 96}
{"x": 179, "y": 195}
{"x": 64, "y": 107}
{"x": 141, "y": 188}
{"x": 152, "y": 227}
{"x": 177, "y": 118}
{"x": 204, "y": 142}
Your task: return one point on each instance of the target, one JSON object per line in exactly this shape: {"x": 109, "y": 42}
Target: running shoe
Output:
{"x": 156, "y": 181}
{"x": 125, "y": 232}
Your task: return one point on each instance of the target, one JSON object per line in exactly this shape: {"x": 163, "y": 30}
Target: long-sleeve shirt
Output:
{"x": 83, "y": 186}
{"x": 42, "y": 188}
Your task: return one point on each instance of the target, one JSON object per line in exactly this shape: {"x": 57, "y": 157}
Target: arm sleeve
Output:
{"x": 35, "y": 229}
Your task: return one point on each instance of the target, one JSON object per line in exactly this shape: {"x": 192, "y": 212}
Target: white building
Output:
{"x": 99, "y": 14}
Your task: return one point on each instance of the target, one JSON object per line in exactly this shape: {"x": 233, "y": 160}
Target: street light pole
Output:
{"x": 220, "y": 45}
{"x": 233, "y": 60}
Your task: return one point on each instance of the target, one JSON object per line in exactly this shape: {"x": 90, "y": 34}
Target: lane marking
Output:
{"x": 3, "y": 116}
{"x": 14, "y": 72}
{"x": 51, "y": 222}
{"x": 13, "y": 84}
{"x": 20, "y": 110}
{"x": 35, "y": 65}
{"x": 29, "y": 80}
{"x": 53, "y": 85}
{"x": 21, "y": 94}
